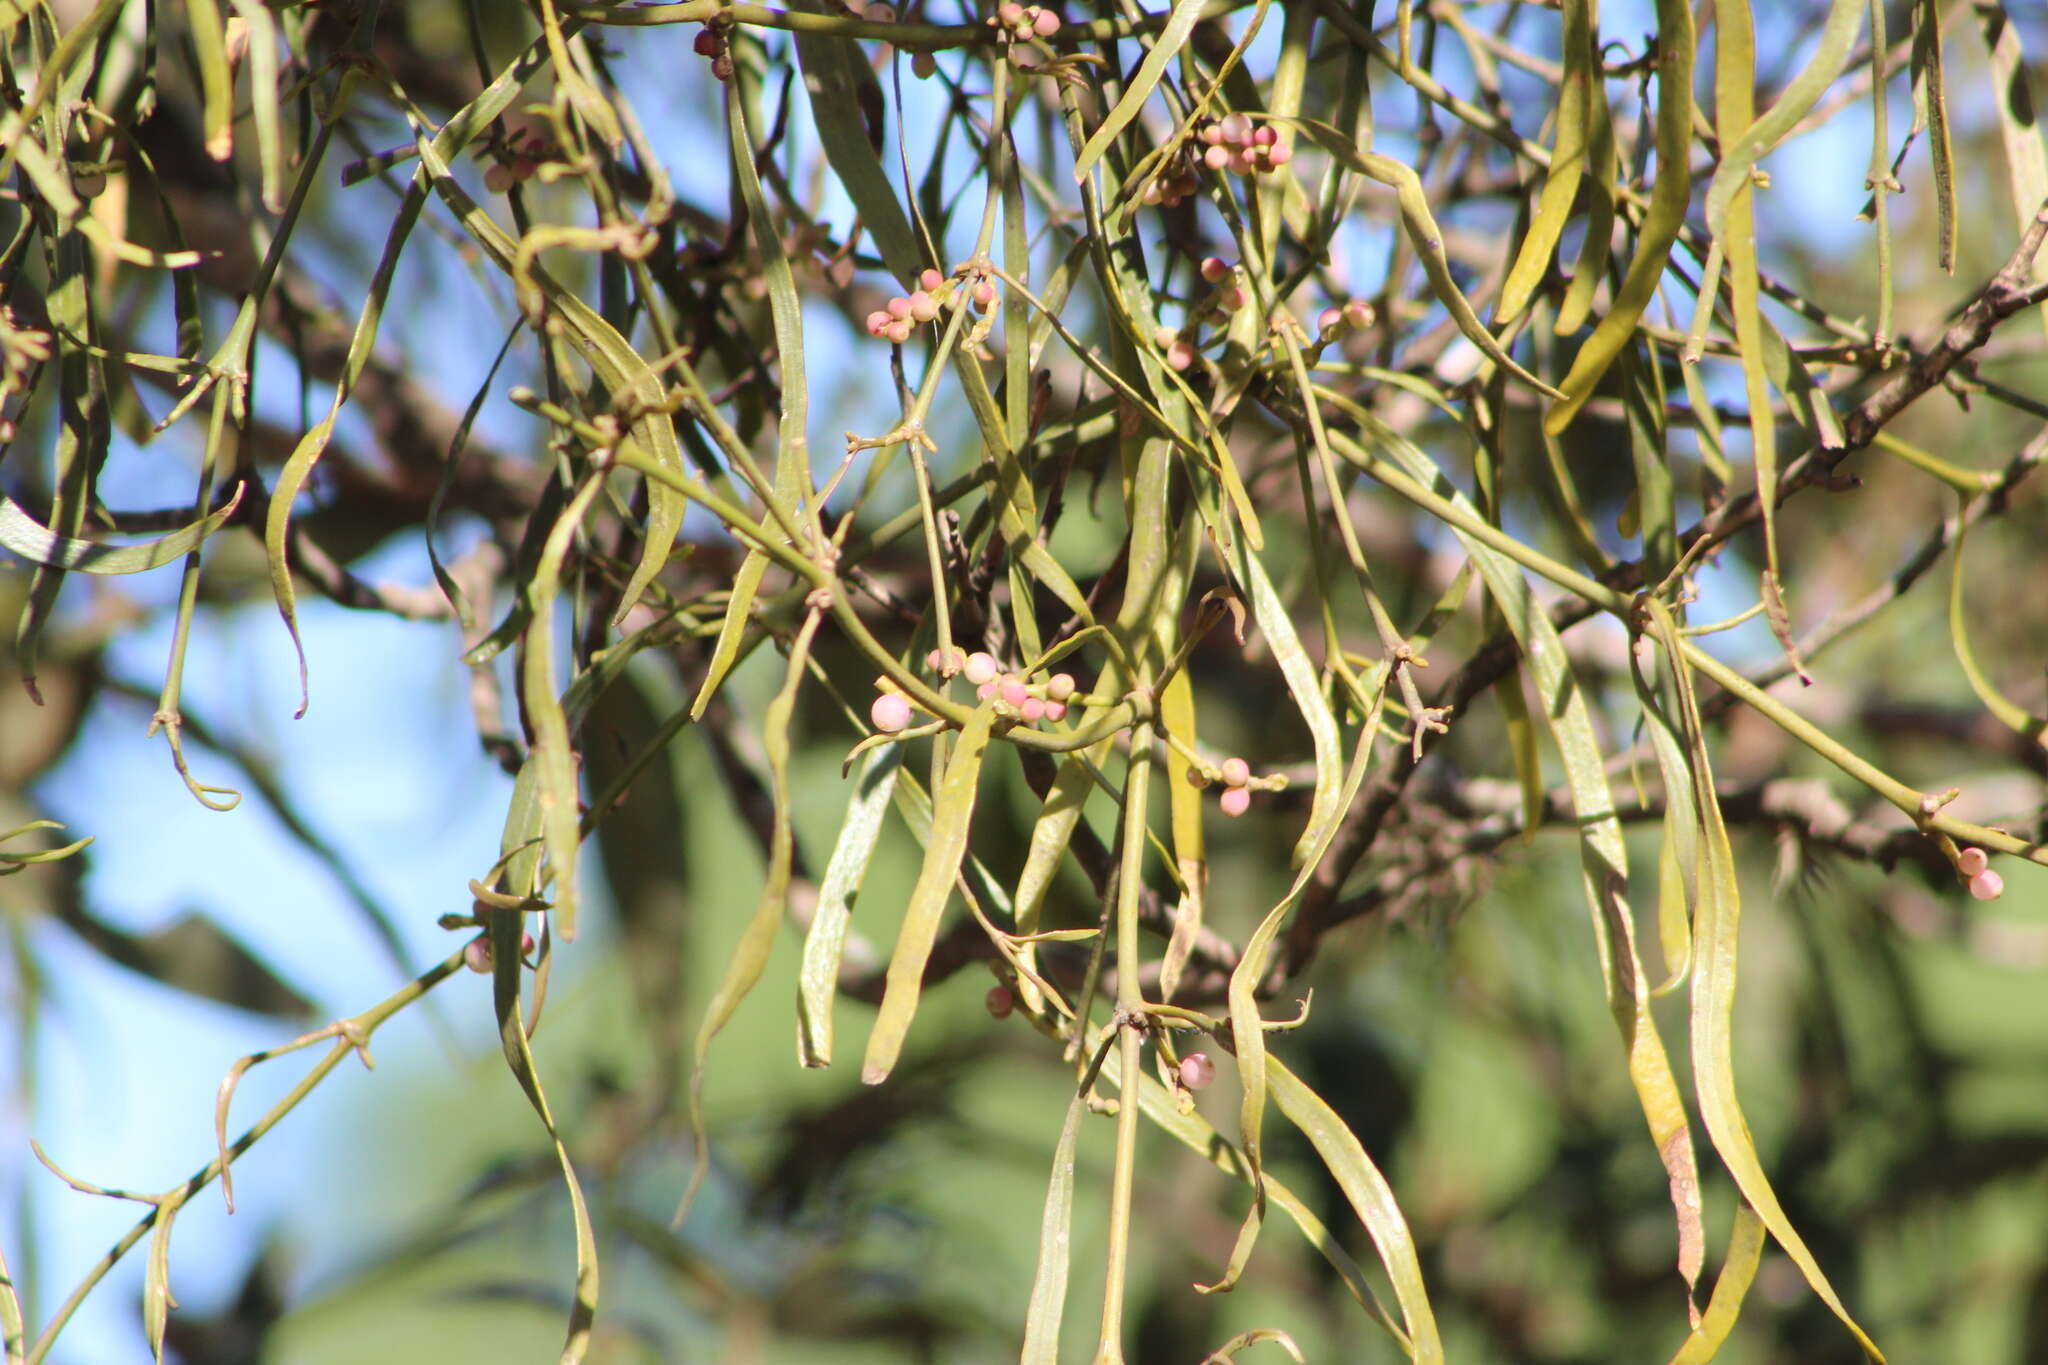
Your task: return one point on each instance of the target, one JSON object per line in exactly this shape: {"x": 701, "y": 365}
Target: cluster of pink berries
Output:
{"x": 1356, "y": 315}
{"x": 891, "y": 710}
{"x": 894, "y": 321}
{"x": 1235, "y": 145}
{"x": 1237, "y": 795}
{"x": 1975, "y": 868}
{"x": 710, "y": 42}
{"x": 1021, "y": 23}
{"x": 1227, "y": 299}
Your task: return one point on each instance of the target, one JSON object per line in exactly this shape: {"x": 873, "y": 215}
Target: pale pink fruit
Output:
{"x": 1011, "y": 690}
{"x": 1033, "y": 709}
{"x": 1055, "y": 711}
{"x": 1212, "y": 134}
{"x": 1236, "y": 772}
{"x": 1162, "y": 336}
{"x": 1215, "y": 269}
{"x": 1216, "y": 158}
{"x": 1971, "y": 861}
{"x": 1180, "y": 355}
{"x": 1329, "y": 320}
{"x": 1236, "y": 127}
{"x": 923, "y": 306}
{"x": 934, "y": 659}
{"x": 878, "y": 323}
{"x": 981, "y": 667}
{"x": 984, "y": 293}
{"x": 1000, "y": 1001}
{"x": 1045, "y": 23}
{"x": 986, "y": 690}
{"x": 1987, "y": 885}
{"x": 899, "y": 307}
{"x": 931, "y": 279}
{"x": 1152, "y": 193}
{"x": 890, "y": 712}
{"x": 476, "y": 955}
{"x": 1358, "y": 313}
{"x": 1197, "y": 1071}
{"x": 1279, "y": 154}
{"x": 1236, "y": 801}
{"x": 1060, "y": 686}
{"x": 1009, "y": 14}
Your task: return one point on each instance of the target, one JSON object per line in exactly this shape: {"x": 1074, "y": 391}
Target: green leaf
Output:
{"x": 29, "y": 538}
{"x": 1172, "y": 38}
{"x": 952, "y": 817}
{"x": 1055, "y": 1246}
{"x": 818, "y": 979}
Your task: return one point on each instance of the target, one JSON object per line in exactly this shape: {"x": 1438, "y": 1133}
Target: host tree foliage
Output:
{"x": 1305, "y": 455}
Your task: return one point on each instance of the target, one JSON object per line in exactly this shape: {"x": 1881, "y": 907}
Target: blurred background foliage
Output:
{"x": 1890, "y": 1038}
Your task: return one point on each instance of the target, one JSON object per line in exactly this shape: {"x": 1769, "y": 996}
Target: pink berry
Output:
{"x": 931, "y": 279}
{"x": 1358, "y": 313}
{"x": 1033, "y": 709}
{"x": 1055, "y": 711}
{"x": 879, "y": 14}
{"x": 706, "y": 43}
{"x": 1987, "y": 885}
{"x": 878, "y": 323}
{"x": 1236, "y": 128}
{"x": 1236, "y": 772}
{"x": 1240, "y": 163}
{"x": 1215, "y": 269}
{"x": 984, "y": 293}
{"x": 1180, "y": 355}
{"x": 1971, "y": 861}
{"x": 1237, "y": 296}
{"x": 986, "y": 690}
{"x": 1009, "y": 14}
{"x": 899, "y": 330}
{"x": 1265, "y": 135}
{"x": 1060, "y": 686}
{"x": 981, "y": 667}
{"x": 890, "y": 712}
{"x": 1329, "y": 320}
{"x": 1162, "y": 336}
{"x": 1045, "y": 23}
{"x": 1000, "y": 1001}
{"x": 1236, "y": 801}
{"x": 934, "y": 659}
{"x": 721, "y": 67}
{"x": 1011, "y": 690}
{"x": 499, "y": 178}
{"x": 1216, "y": 158}
{"x": 923, "y": 306}
{"x": 899, "y": 308}
{"x": 476, "y": 955}
{"x": 1152, "y": 193}
{"x": 1212, "y": 134}
{"x": 1279, "y": 154}
{"x": 1197, "y": 1071}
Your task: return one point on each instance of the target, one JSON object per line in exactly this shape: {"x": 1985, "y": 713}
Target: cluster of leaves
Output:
{"x": 1105, "y": 276}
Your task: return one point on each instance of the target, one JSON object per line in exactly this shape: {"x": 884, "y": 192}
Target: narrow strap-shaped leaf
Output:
{"x": 506, "y": 930}
{"x": 2009, "y": 712}
{"x": 1930, "y": 111}
{"x": 554, "y": 756}
{"x": 157, "y": 1302}
{"x": 1184, "y": 802}
{"x": 1602, "y": 163}
{"x": 1428, "y": 238}
{"x": 1669, "y": 195}
{"x": 757, "y": 940}
{"x": 1165, "y": 47}
{"x": 1055, "y": 1246}
{"x": 1716, "y": 927}
{"x": 1051, "y": 832}
{"x": 1188, "y": 1127}
{"x": 2019, "y": 126}
{"x": 1603, "y": 861}
{"x": 1567, "y": 162}
{"x": 29, "y": 538}
{"x": 840, "y": 86}
{"x": 1370, "y": 1197}
{"x": 818, "y": 978}
{"x": 952, "y": 816}
{"x": 732, "y": 629}
{"x": 1731, "y": 1286}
